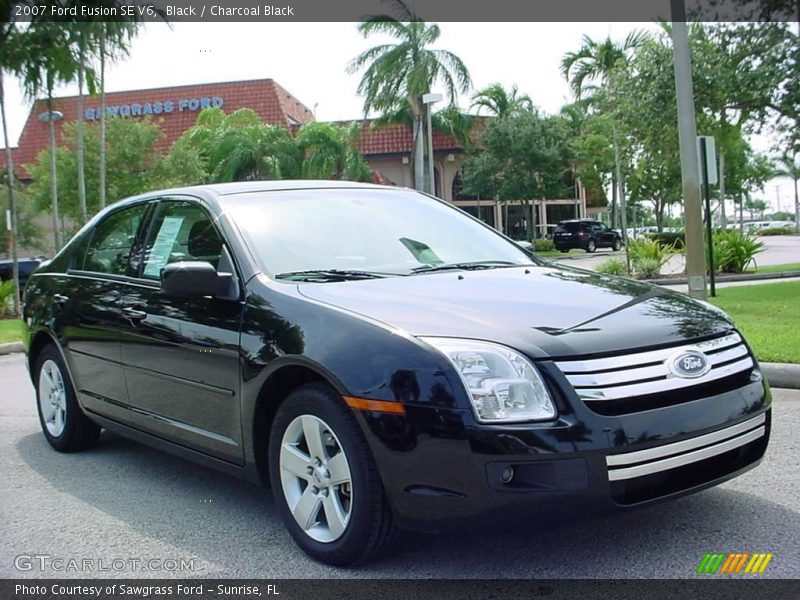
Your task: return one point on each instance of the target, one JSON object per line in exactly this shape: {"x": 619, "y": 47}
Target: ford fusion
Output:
{"x": 383, "y": 361}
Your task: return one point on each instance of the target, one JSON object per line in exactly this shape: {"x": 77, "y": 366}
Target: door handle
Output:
{"x": 134, "y": 315}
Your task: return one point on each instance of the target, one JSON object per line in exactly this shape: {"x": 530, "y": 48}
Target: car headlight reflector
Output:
{"x": 503, "y": 386}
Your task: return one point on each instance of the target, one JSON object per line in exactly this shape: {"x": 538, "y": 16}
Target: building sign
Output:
{"x": 159, "y": 107}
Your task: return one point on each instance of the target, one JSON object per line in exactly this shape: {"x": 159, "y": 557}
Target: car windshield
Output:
{"x": 349, "y": 233}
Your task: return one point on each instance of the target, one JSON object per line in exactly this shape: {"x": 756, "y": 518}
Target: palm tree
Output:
{"x": 401, "y": 73}
{"x": 329, "y": 152}
{"x": 500, "y": 102}
{"x": 7, "y": 32}
{"x": 596, "y": 61}
{"x": 49, "y": 60}
{"x": 790, "y": 167}
{"x": 113, "y": 39}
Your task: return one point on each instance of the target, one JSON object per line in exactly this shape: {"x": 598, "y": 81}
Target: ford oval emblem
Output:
{"x": 689, "y": 364}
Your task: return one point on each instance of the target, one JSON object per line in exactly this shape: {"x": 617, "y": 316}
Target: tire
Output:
{"x": 64, "y": 424}
{"x": 564, "y": 251}
{"x": 617, "y": 245}
{"x": 360, "y": 526}
{"x": 591, "y": 246}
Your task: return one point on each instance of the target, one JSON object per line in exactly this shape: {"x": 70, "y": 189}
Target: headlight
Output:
{"x": 503, "y": 385}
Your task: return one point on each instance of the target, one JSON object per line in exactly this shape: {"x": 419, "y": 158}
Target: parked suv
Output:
{"x": 587, "y": 234}
{"x": 383, "y": 367}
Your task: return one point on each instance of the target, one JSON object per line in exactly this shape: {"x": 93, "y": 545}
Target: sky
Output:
{"x": 309, "y": 60}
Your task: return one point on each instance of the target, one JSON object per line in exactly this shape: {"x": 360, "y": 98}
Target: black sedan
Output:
{"x": 383, "y": 361}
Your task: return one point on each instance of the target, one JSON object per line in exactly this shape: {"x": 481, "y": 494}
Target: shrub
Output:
{"x": 733, "y": 252}
{"x": 543, "y": 245}
{"x": 647, "y": 268}
{"x": 787, "y": 230}
{"x": 6, "y": 298}
{"x": 613, "y": 266}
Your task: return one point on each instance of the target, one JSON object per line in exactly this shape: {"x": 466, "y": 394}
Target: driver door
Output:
{"x": 181, "y": 355}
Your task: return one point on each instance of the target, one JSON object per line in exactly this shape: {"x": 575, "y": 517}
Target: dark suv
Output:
{"x": 587, "y": 234}
{"x": 383, "y": 361}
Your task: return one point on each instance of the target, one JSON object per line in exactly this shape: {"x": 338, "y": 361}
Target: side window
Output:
{"x": 181, "y": 231}
{"x": 109, "y": 249}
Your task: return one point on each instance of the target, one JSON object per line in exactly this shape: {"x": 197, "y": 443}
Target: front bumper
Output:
{"x": 440, "y": 468}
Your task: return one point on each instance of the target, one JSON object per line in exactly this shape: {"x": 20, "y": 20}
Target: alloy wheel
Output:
{"x": 315, "y": 478}
{"x": 52, "y": 398}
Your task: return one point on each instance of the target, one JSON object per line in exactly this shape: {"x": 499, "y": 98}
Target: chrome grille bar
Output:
{"x": 643, "y": 373}
{"x": 679, "y": 460}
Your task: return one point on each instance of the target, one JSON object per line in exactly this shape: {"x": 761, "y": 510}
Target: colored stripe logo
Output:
{"x": 721, "y": 563}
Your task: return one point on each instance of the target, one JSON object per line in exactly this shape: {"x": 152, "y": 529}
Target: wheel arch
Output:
{"x": 39, "y": 341}
{"x": 279, "y": 382}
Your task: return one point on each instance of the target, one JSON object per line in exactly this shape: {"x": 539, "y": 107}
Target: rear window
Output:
{"x": 572, "y": 227}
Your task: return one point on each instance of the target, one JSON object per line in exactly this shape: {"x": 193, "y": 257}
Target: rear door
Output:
{"x": 181, "y": 355}
{"x": 88, "y": 309}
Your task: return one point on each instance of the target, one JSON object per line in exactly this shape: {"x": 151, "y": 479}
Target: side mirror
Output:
{"x": 192, "y": 279}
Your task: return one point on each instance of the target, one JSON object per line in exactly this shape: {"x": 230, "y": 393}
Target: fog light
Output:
{"x": 507, "y": 475}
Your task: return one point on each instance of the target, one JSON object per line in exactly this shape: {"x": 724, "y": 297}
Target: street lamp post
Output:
{"x": 50, "y": 117}
{"x": 428, "y": 100}
{"x": 687, "y": 135}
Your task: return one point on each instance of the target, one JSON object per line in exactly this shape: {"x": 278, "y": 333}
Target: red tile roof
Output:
{"x": 267, "y": 98}
{"x": 398, "y": 139}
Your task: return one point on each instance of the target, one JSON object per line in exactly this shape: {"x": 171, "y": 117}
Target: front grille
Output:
{"x": 618, "y": 384}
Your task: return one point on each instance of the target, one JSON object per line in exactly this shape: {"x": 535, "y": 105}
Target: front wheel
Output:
{"x": 326, "y": 486}
{"x": 617, "y": 245}
{"x": 64, "y": 425}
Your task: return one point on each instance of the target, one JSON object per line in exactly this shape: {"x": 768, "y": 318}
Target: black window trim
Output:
{"x": 90, "y": 238}
{"x": 158, "y": 202}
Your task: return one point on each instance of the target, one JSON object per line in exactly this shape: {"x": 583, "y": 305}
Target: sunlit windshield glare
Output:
{"x": 390, "y": 232}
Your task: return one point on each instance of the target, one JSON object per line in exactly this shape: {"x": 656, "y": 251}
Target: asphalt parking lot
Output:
{"x": 126, "y": 503}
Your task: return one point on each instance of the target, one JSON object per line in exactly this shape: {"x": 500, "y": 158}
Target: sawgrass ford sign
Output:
{"x": 158, "y": 107}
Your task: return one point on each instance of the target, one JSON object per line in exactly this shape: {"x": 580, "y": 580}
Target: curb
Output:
{"x": 11, "y": 348}
{"x": 782, "y": 375}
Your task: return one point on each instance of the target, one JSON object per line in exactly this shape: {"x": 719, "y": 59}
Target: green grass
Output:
{"x": 768, "y": 315}
{"x": 10, "y": 330}
{"x": 775, "y": 268}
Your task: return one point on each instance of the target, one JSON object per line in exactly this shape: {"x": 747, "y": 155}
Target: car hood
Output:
{"x": 545, "y": 311}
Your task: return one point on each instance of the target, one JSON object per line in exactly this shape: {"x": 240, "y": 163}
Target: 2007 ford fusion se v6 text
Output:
{"x": 383, "y": 361}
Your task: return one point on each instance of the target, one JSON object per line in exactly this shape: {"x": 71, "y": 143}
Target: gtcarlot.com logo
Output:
{"x": 47, "y": 562}
{"x": 722, "y": 563}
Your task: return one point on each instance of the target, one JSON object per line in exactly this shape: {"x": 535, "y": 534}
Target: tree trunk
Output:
{"x": 80, "y": 148}
{"x": 102, "y": 182}
{"x": 722, "y": 217}
{"x": 419, "y": 154}
{"x": 796, "y": 208}
{"x": 613, "y": 199}
{"x": 12, "y": 204}
{"x": 53, "y": 176}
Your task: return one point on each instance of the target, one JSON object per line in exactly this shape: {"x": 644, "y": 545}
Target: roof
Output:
{"x": 398, "y": 139}
{"x": 265, "y": 96}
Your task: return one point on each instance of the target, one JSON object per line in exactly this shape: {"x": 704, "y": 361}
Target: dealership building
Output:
{"x": 386, "y": 149}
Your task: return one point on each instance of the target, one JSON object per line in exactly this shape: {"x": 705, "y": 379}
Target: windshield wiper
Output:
{"x": 466, "y": 266}
{"x": 330, "y": 275}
